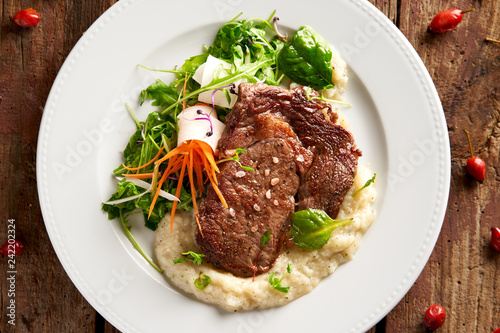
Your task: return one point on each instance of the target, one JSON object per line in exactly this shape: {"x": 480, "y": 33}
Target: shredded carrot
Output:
{"x": 139, "y": 175}
{"x": 204, "y": 104}
{"x": 177, "y": 193}
{"x": 196, "y": 158}
{"x": 144, "y": 165}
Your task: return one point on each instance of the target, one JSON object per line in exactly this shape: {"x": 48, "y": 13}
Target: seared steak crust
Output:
{"x": 259, "y": 201}
{"x": 294, "y": 138}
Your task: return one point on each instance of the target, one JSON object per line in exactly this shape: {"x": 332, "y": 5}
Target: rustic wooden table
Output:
{"x": 463, "y": 273}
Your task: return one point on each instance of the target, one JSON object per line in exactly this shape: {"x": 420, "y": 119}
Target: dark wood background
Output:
{"x": 463, "y": 273}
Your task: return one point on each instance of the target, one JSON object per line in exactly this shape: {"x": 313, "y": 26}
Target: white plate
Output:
{"x": 396, "y": 119}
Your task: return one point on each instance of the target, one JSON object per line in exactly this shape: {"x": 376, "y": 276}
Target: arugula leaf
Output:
{"x": 368, "y": 183}
{"x": 306, "y": 59}
{"x": 195, "y": 257}
{"x": 202, "y": 281}
{"x": 276, "y": 283}
{"x": 311, "y": 228}
{"x": 191, "y": 65}
{"x": 126, "y": 229}
{"x": 124, "y": 189}
{"x": 265, "y": 238}
{"x": 162, "y": 94}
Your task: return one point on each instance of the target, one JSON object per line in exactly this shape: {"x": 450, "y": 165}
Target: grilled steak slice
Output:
{"x": 296, "y": 140}
{"x": 326, "y": 154}
{"x": 259, "y": 201}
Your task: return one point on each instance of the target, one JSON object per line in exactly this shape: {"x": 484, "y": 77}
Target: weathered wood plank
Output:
{"x": 462, "y": 273}
{"x": 46, "y": 300}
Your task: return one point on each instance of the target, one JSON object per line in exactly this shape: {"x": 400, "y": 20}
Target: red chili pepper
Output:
{"x": 26, "y": 18}
{"x": 495, "y": 240}
{"x": 475, "y": 165}
{"x": 447, "y": 20}
{"x": 12, "y": 248}
{"x": 497, "y": 330}
{"x": 434, "y": 316}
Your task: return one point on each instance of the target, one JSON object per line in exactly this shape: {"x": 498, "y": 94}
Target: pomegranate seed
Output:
{"x": 495, "y": 239}
{"x": 446, "y": 20}
{"x": 26, "y": 18}
{"x": 12, "y": 248}
{"x": 434, "y": 316}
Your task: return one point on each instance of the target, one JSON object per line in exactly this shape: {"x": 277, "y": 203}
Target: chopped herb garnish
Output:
{"x": 289, "y": 268}
{"x": 368, "y": 183}
{"x": 195, "y": 257}
{"x": 202, "y": 281}
{"x": 265, "y": 238}
{"x": 236, "y": 158}
{"x": 276, "y": 283}
{"x": 324, "y": 99}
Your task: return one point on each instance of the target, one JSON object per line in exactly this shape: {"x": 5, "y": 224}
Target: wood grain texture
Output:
{"x": 46, "y": 299}
{"x": 463, "y": 272}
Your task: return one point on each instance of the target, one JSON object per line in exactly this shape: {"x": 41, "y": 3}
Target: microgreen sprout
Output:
{"x": 276, "y": 282}
{"x": 202, "y": 281}
{"x": 281, "y": 36}
{"x": 368, "y": 182}
{"x": 195, "y": 257}
{"x": 231, "y": 85}
{"x": 132, "y": 240}
{"x": 236, "y": 158}
{"x": 322, "y": 98}
{"x": 205, "y": 117}
{"x": 265, "y": 238}
{"x": 256, "y": 42}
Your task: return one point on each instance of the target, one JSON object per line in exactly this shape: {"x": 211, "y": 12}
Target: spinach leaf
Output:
{"x": 311, "y": 228}
{"x": 306, "y": 59}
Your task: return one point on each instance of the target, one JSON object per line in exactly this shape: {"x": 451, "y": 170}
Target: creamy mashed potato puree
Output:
{"x": 309, "y": 267}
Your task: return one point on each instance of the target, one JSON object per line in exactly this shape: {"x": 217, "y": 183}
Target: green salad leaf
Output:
{"x": 311, "y": 228}
{"x": 155, "y": 132}
{"x": 306, "y": 59}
